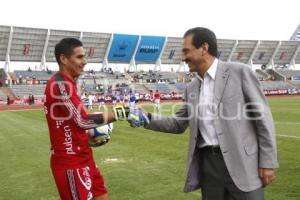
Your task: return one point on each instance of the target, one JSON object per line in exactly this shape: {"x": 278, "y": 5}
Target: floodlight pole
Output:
{"x": 157, "y": 65}
{"x": 7, "y": 57}
{"x": 132, "y": 63}
{"x": 293, "y": 62}
{"x": 271, "y": 61}
{"x": 232, "y": 50}
{"x": 105, "y": 60}
{"x": 81, "y": 36}
{"x": 158, "y": 61}
{"x": 104, "y": 64}
{"x": 250, "y": 60}
{"x": 181, "y": 65}
{"x": 43, "y": 60}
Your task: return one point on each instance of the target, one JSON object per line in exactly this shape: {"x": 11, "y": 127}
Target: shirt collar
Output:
{"x": 212, "y": 70}
{"x": 67, "y": 77}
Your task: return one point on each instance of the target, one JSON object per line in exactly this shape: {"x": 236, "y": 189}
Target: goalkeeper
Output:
{"x": 72, "y": 163}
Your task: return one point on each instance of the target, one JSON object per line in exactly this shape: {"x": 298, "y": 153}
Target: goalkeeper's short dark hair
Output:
{"x": 65, "y": 47}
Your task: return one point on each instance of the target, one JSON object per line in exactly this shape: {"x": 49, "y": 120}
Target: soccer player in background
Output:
{"x": 73, "y": 167}
{"x": 132, "y": 99}
{"x": 122, "y": 99}
{"x": 91, "y": 99}
{"x": 157, "y": 100}
{"x": 101, "y": 101}
{"x": 114, "y": 99}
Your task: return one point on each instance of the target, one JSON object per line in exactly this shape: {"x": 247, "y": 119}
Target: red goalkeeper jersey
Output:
{"x": 67, "y": 123}
{"x": 156, "y": 95}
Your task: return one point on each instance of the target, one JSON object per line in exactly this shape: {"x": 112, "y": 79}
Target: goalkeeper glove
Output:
{"x": 120, "y": 112}
{"x": 137, "y": 117}
{"x": 97, "y": 138}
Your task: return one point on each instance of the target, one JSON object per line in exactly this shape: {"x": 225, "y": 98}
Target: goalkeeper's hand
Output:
{"x": 137, "y": 117}
{"x": 120, "y": 112}
{"x": 99, "y": 138}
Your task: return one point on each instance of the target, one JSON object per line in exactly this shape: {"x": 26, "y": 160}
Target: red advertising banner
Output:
{"x": 26, "y": 49}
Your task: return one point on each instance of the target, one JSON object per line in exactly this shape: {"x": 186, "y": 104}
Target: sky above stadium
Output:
{"x": 229, "y": 19}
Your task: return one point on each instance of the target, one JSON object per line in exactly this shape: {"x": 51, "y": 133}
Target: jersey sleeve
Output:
{"x": 68, "y": 98}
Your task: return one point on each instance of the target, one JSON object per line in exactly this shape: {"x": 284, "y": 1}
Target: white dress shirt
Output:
{"x": 205, "y": 108}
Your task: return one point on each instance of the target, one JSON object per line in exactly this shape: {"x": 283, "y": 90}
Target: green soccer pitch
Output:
{"x": 137, "y": 164}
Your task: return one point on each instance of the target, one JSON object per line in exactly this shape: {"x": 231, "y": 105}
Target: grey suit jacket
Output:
{"x": 243, "y": 122}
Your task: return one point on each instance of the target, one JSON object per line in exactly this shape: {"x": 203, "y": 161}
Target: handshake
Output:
{"x": 134, "y": 115}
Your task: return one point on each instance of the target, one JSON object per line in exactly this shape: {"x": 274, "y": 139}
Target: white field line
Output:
{"x": 288, "y": 136}
{"x": 109, "y": 161}
{"x": 18, "y": 175}
{"x": 21, "y": 110}
{"x": 113, "y": 160}
{"x": 288, "y": 123}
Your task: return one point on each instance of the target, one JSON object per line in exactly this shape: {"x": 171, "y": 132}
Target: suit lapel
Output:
{"x": 194, "y": 94}
{"x": 221, "y": 81}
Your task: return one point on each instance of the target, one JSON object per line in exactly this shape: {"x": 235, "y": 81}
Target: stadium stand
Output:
{"x": 34, "y": 45}
{"x": 264, "y": 52}
{"x": 37, "y": 75}
{"x": 271, "y": 85}
{"x": 243, "y": 51}
{"x": 163, "y": 88}
{"x": 262, "y": 75}
{"x": 285, "y": 52}
{"x": 136, "y": 87}
{"x": 37, "y": 45}
{"x": 27, "y": 44}
{"x": 275, "y": 76}
{"x": 226, "y": 48}
{"x": 289, "y": 73}
{"x": 150, "y": 86}
{"x": 178, "y": 87}
{"x": 155, "y": 77}
{"x": 4, "y": 38}
{"x": 53, "y": 37}
{"x": 172, "y": 51}
{"x": 259, "y": 76}
{"x": 24, "y": 90}
{"x": 2, "y": 95}
{"x": 296, "y": 35}
{"x": 95, "y": 45}
{"x": 295, "y": 83}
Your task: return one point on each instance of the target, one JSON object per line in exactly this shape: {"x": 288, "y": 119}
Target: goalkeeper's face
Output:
{"x": 73, "y": 65}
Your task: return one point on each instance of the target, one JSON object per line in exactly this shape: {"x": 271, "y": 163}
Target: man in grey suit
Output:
{"x": 232, "y": 149}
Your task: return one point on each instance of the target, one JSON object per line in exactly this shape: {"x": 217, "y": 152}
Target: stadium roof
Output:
{"x": 37, "y": 45}
{"x": 296, "y": 34}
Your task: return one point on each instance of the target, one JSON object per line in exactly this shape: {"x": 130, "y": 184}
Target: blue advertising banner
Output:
{"x": 149, "y": 49}
{"x": 296, "y": 78}
{"x": 122, "y": 48}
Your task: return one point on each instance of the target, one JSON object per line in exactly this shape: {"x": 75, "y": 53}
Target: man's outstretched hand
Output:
{"x": 137, "y": 117}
